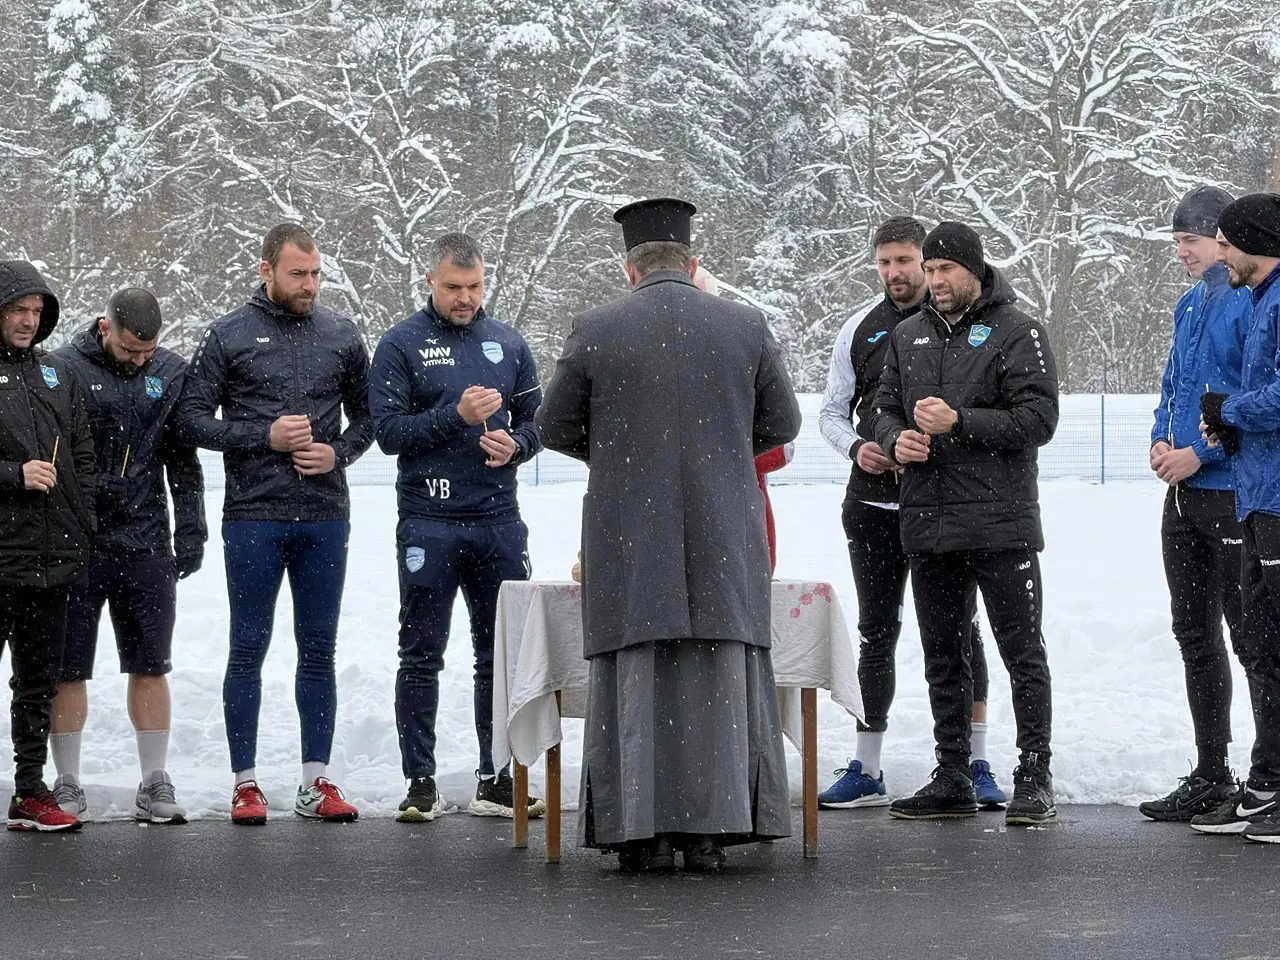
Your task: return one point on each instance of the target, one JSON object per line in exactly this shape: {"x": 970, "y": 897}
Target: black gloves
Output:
{"x": 1211, "y": 413}
{"x": 189, "y": 561}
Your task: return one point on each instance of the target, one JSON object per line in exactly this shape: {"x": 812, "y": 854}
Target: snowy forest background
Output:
{"x": 153, "y": 142}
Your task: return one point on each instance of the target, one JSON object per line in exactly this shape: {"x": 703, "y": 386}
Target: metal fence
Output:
{"x": 1099, "y": 438}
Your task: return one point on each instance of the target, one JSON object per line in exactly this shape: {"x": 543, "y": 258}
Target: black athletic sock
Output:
{"x": 1212, "y": 762}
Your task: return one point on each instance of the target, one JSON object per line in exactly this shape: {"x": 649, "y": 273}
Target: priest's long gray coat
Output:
{"x": 668, "y": 394}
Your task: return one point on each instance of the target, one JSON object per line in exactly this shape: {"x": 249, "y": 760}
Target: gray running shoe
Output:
{"x": 156, "y": 803}
{"x": 70, "y": 797}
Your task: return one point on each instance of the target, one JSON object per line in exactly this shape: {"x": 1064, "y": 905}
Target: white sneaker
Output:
{"x": 156, "y": 803}
{"x": 70, "y": 797}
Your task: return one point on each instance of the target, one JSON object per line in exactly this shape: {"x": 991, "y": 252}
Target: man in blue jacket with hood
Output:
{"x": 453, "y": 393}
{"x": 1199, "y": 535}
{"x": 1247, "y": 425}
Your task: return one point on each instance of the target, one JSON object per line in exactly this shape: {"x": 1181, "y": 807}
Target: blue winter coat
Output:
{"x": 1255, "y": 411}
{"x": 419, "y": 372}
{"x": 1210, "y": 324}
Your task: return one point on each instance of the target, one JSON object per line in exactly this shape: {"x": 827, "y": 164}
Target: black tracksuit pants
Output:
{"x": 1259, "y": 646}
{"x": 1010, "y": 583}
{"x": 33, "y": 622}
{"x": 880, "y": 577}
{"x": 1201, "y": 538}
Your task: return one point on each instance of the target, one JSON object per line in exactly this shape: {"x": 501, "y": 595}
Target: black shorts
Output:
{"x": 141, "y": 596}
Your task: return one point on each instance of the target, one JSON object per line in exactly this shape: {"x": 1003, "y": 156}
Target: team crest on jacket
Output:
{"x": 492, "y": 350}
{"x": 978, "y": 335}
{"x": 414, "y": 559}
{"x": 155, "y": 388}
{"x": 50, "y": 376}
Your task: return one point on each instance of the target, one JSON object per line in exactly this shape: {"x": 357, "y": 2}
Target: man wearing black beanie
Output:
{"x": 1200, "y": 538}
{"x": 968, "y": 394}
{"x": 1247, "y": 424}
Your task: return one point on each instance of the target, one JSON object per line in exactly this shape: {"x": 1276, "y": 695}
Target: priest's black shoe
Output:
{"x": 949, "y": 793}
{"x": 705, "y": 856}
{"x": 647, "y": 856}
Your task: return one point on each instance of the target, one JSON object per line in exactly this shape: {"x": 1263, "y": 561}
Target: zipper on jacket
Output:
{"x": 35, "y": 436}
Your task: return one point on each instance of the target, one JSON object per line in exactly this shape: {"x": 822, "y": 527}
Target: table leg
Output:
{"x": 809, "y": 715}
{"x": 553, "y": 799}
{"x": 520, "y": 802}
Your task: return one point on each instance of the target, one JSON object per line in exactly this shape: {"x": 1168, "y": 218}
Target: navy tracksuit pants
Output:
{"x": 437, "y": 559}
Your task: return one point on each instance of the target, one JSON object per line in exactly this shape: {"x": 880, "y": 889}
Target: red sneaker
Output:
{"x": 40, "y": 811}
{"x": 324, "y": 801}
{"x": 248, "y": 805}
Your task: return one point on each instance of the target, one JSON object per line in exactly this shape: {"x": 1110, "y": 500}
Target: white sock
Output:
{"x": 867, "y": 751}
{"x": 153, "y": 750}
{"x": 977, "y": 741}
{"x": 312, "y": 771}
{"x": 65, "y": 748}
{"x": 244, "y": 776}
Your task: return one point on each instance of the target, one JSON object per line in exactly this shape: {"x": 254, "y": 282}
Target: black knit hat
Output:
{"x": 1252, "y": 224}
{"x": 954, "y": 241}
{"x": 1199, "y": 210}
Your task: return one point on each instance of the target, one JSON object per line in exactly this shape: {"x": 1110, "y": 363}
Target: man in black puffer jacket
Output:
{"x": 968, "y": 394}
{"x": 46, "y": 526}
{"x": 131, "y": 387}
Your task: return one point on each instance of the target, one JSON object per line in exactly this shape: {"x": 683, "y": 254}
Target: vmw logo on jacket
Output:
{"x": 437, "y": 356}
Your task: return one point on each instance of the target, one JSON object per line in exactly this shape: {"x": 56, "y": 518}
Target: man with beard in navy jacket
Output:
{"x": 453, "y": 394}
{"x": 131, "y": 387}
{"x": 283, "y": 370}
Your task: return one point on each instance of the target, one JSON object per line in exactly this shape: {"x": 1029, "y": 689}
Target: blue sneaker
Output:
{"x": 990, "y": 796}
{"x": 854, "y": 789}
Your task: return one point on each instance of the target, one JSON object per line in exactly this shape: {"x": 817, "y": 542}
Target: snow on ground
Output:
{"x": 1121, "y": 732}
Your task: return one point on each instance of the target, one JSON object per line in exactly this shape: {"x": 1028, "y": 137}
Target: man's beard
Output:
{"x": 913, "y": 289}
{"x": 960, "y": 302}
{"x": 299, "y": 303}
{"x": 1246, "y": 273}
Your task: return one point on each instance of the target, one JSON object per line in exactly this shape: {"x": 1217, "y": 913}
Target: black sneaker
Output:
{"x": 949, "y": 793}
{"x": 1194, "y": 795}
{"x": 1264, "y": 829}
{"x": 1032, "y": 796}
{"x": 495, "y": 797}
{"x": 647, "y": 856}
{"x": 422, "y": 804}
{"x": 1235, "y": 813}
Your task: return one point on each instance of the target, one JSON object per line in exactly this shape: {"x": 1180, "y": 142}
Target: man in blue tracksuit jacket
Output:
{"x": 1247, "y": 424}
{"x": 1199, "y": 535}
{"x": 453, "y": 393}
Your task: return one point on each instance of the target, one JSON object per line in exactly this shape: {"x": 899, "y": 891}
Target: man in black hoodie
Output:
{"x": 968, "y": 394}
{"x": 131, "y": 387}
{"x": 46, "y": 525}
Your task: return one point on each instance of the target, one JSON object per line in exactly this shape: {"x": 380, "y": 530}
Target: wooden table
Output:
{"x": 538, "y": 669}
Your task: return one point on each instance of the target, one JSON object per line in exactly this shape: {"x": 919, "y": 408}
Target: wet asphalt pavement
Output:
{"x": 1100, "y": 883}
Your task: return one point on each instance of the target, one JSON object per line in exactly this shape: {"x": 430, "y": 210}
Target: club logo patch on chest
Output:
{"x": 492, "y": 350}
{"x": 978, "y": 335}
{"x": 50, "y": 376}
{"x": 155, "y": 387}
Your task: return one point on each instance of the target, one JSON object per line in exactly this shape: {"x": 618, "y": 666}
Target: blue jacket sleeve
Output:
{"x": 358, "y": 437}
{"x": 399, "y": 430}
{"x": 202, "y": 395}
{"x": 1258, "y": 411}
{"x": 524, "y": 405}
{"x": 1163, "y": 429}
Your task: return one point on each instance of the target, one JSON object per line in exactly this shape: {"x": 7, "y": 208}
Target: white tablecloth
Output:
{"x": 538, "y": 650}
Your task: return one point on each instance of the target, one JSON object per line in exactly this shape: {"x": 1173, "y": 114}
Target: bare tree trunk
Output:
{"x": 1274, "y": 181}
